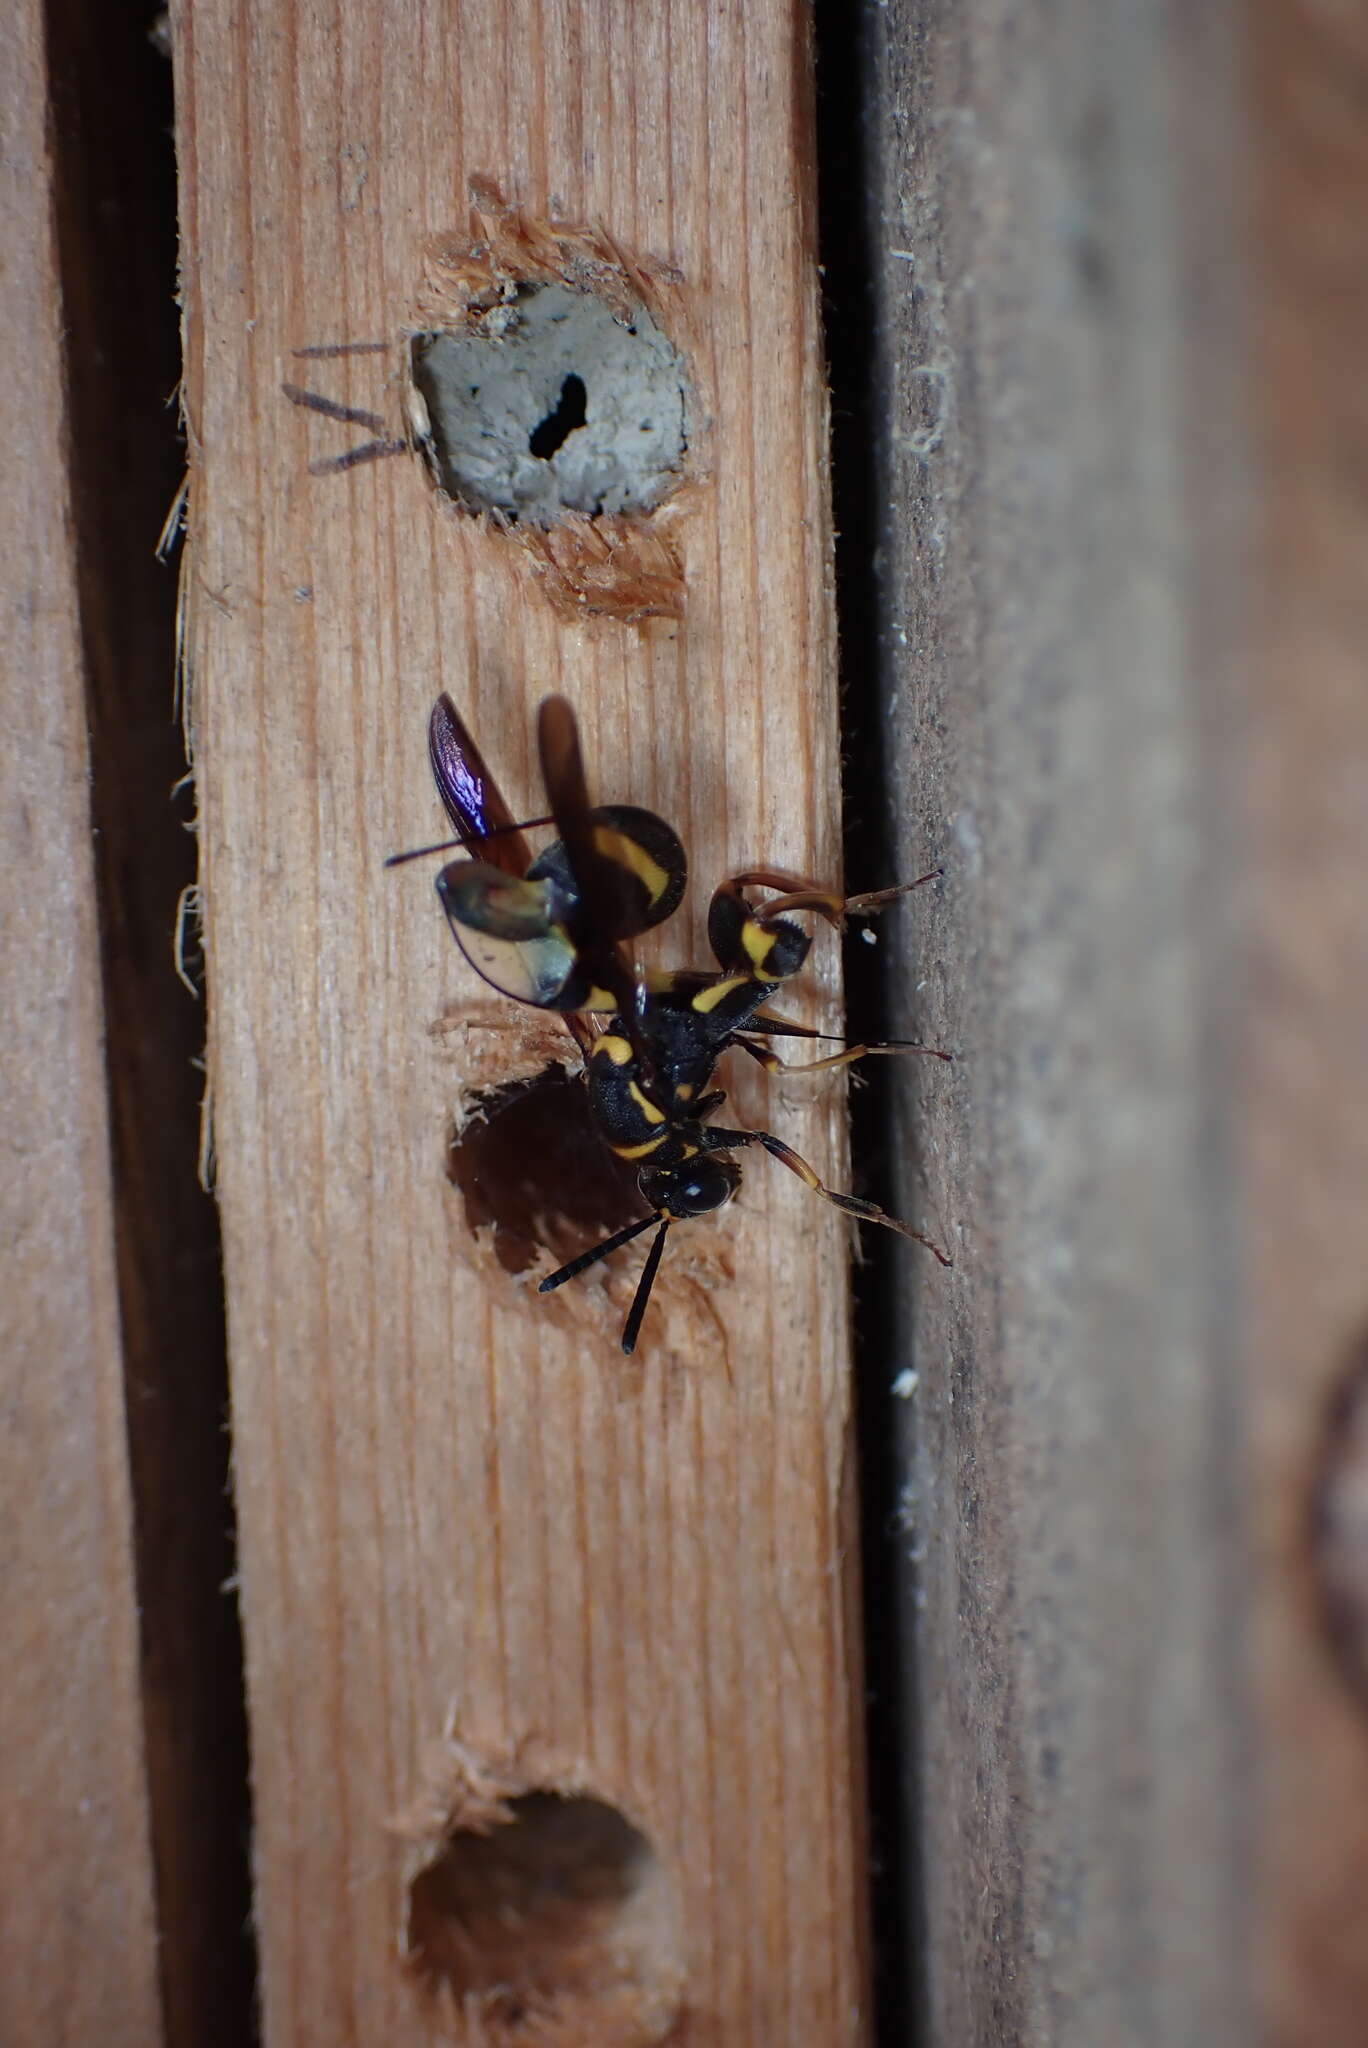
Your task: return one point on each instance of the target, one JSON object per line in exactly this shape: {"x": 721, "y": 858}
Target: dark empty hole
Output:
{"x": 531, "y": 1166}
{"x": 556, "y": 1919}
{"x": 555, "y": 430}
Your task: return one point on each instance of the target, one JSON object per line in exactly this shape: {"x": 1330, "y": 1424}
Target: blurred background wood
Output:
{"x": 1306, "y": 1319}
{"x": 1056, "y": 214}
{"x": 458, "y": 1506}
{"x": 1122, "y": 320}
{"x": 78, "y": 1936}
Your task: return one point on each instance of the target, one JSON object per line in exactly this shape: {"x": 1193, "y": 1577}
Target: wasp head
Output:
{"x": 694, "y": 1189}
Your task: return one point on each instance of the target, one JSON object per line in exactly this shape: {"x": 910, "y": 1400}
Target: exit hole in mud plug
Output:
{"x": 543, "y": 1916}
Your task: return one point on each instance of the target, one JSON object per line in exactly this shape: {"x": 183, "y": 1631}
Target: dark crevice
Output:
{"x": 555, "y": 430}
{"x": 848, "y": 186}
{"x": 116, "y": 223}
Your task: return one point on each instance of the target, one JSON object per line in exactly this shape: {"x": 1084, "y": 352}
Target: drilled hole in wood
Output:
{"x": 532, "y": 1169}
{"x": 552, "y": 1923}
{"x": 552, "y": 405}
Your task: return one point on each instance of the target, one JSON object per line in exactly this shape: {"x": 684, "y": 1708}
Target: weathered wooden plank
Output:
{"x": 78, "y": 1958}
{"x": 459, "y": 1510}
{"x": 1055, "y": 239}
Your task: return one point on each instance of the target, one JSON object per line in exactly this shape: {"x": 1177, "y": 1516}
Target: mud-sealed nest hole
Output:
{"x": 551, "y": 404}
{"x": 549, "y": 398}
{"x": 533, "y": 1170}
{"x": 541, "y": 1915}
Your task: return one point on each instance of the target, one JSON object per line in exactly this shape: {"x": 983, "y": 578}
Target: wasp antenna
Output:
{"x": 632, "y": 1327}
{"x": 599, "y": 1251}
{"x": 868, "y": 1212}
{"x": 397, "y": 860}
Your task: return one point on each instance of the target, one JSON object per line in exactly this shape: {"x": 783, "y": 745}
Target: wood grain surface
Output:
{"x": 78, "y": 1954}
{"x": 460, "y": 1510}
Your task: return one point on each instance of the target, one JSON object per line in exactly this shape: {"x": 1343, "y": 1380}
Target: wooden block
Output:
{"x": 78, "y": 1950}
{"x": 479, "y": 1551}
{"x": 1063, "y": 326}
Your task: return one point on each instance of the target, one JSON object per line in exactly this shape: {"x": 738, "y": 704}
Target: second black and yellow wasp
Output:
{"x": 553, "y": 931}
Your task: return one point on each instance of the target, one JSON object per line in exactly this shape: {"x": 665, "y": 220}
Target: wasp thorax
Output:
{"x": 692, "y": 1190}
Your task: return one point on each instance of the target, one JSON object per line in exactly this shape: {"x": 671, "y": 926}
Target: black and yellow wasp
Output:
{"x": 553, "y": 931}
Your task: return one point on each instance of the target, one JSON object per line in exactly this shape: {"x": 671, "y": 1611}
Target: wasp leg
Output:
{"x": 772, "y": 1063}
{"x": 764, "y": 1024}
{"x": 879, "y": 899}
{"x": 706, "y": 1104}
{"x": 866, "y": 1211}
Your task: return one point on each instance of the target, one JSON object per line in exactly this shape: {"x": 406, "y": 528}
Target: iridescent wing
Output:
{"x": 507, "y": 926}
{"x": 470, "y": 796}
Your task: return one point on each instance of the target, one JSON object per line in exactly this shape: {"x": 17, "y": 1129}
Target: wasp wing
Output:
{"x": 629, "y": 867}
{"x": 508, "y": 933}
{"x": 599, "y": 885}
{"x": 470, "y": 796}
{"x": 526, "y": 967}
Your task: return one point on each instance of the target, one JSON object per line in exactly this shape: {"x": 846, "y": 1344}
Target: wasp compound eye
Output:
{"x": 692, "y": 1190}
{"x": 788, "y": 949}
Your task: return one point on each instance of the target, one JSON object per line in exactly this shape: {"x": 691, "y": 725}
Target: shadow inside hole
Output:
{"x": 557, "y": 1925}
{"x": 532, "y": 1168}
{"x": 545, "y": 440}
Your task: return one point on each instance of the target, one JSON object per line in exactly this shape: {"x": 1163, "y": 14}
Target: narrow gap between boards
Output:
{"x": 116, "y": 218}
{"x": 847, "y": 141}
